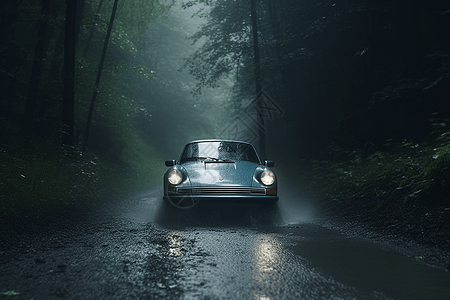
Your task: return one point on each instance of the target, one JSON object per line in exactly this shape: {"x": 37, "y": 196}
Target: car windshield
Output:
{"x": 219, "y": 152}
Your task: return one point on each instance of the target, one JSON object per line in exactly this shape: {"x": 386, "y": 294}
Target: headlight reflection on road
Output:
{"x": 258, "y": 297}
{"x": 175, "y": 244}
{"x": 267, "y": 256}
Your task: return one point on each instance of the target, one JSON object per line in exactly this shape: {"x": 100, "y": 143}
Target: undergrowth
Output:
{"x": 406, "y": 172}
{"x": 38, "y": 184}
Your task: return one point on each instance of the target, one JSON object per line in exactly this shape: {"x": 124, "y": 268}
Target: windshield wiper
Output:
{"x": 215, "y": 159}
{"x": 227, "y": 160}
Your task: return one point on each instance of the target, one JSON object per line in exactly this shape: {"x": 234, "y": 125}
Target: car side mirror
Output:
{"x": 170, "y": 163}
{"x": 269, "y": 163}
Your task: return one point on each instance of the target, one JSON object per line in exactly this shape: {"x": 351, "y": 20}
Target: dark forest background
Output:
{"x": 364, "y": 87}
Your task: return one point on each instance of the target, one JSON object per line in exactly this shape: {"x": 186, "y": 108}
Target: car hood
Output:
{"x": 239, "y": 173}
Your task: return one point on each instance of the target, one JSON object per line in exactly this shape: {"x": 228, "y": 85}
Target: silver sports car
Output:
{"x": 211, "y": 170}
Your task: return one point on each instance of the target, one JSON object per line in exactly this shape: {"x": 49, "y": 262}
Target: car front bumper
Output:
{"x": 239, "y": 194}
{"x": 223, "y": 193}
{"x": 224, "y": 198}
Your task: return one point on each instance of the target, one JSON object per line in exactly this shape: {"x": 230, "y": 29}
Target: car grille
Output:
{"x": 226, "y": 190}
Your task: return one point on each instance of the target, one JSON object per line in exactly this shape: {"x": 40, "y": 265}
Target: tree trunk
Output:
{"x": 56, "y": 70}
{"x": 91, "y": 33}
{"x": 258, "y": 82}
{"x": 68, "y": 114}
{"x": 99, "y": 73}
{"x": 79, "y": 18}
{"x": 275, "y": 10}
{"x": 36, "y": 71}
{"x": 9, "y": 13}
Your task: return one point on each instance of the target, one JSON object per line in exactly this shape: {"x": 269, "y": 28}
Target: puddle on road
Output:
{"x": 368, "y": 266}
{"x": 249, "y": 264}
{"x": 248, "y": 252}
{"x": 302, "y": 262}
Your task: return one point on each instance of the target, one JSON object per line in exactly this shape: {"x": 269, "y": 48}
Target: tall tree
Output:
{"x": 70, "y": 36}
{"x": 91, "y": 32}
{"x": 227, "y": 44}
{"x": 99, "y": 73}
{"x": 36, "y": 71}
{"x": 258, "y": 81}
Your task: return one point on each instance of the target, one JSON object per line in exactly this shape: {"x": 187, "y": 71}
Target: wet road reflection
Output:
{"x": 175, "y": 244}
{"x": 223, "y": 252}
{"x": 266, "y": 256}
{"x": 248, "y": 252}
{"x": 305, "y": 261}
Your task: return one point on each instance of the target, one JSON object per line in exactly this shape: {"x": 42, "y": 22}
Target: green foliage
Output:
{"x": 35, "y": 183}
{"x": 326, "y": 61}
{"x": 140, "y": 87}
{"x": 408, "y": 172}
{"x": 226, "y": 43}
{"x": 321, "y": 61}
{"x": 9, "y": 294}
{"x": 41, "y": 181}
{"x": 72, "y": 179}
{"x": 134, "y": 16}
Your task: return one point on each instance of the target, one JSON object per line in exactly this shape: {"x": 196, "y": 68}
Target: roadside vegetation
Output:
{"x": 35, "y": 185}
{"x": 408, "y": 174}
{"x": 401, "y": 188}
{"x": 47, "y": 161}
{"x": 408, "y": 171}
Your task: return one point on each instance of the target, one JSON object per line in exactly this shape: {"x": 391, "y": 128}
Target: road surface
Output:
{"x": 138, "y": 248}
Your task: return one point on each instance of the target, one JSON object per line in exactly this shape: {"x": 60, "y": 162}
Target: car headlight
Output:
{"x": 175, "y": 177}
{"x": 267, "y": 177}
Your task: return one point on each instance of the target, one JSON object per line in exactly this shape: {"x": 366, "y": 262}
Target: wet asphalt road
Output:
{"x": 139, "y": 248}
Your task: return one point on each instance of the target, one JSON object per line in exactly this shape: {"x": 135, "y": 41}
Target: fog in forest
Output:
{"x": 347, "y": 103}
{"x": 335, "y": 92}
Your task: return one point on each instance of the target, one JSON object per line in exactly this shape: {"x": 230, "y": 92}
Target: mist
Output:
{"x": 346, "y": 103}
{"x": 329, "y": 91}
